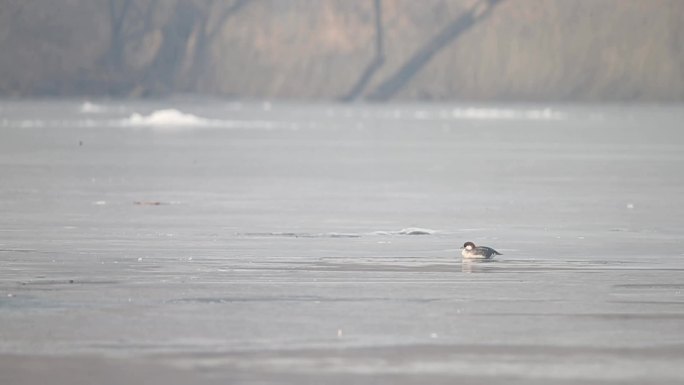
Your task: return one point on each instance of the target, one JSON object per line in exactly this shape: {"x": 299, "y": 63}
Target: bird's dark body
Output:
{"x": 470, "y": 251}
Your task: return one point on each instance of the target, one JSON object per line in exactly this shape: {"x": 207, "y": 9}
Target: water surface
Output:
{"x": 272, "y": 242}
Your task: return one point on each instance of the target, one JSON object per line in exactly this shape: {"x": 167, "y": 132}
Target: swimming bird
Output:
{"x": 470, "y": 251}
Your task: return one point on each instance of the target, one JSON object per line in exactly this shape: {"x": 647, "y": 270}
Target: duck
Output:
{"x": 470, "y": 251}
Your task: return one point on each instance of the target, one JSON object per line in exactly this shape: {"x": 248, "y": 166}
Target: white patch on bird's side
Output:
{"x": 469, "y": 247}
{"x": 467, "y": 254}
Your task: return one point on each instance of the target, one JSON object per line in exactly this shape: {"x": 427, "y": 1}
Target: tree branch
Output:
{"x": 453, "y": 30}
{"x": 377, "y": 61}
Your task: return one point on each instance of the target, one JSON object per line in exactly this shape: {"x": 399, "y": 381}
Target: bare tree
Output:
{"x": 129, "y": 22}
{"x": 387, "y": 89}
{"x": 185, "y": 31}
{"x": 378, "y": 59}
{"x": 206, "y": 34}
{"x": 118, "y": 10}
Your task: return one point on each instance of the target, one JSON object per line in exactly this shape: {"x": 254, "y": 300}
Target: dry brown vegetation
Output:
{"x": 318, "y": 49}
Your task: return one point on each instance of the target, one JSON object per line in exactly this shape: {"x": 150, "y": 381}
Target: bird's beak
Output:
{"x": 461, "y": 248}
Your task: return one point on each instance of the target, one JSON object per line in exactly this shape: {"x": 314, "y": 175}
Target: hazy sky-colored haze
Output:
{"x": 467, "y": 50}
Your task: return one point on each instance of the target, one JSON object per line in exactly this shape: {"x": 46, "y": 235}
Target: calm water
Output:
{"x": 261, "y": 242}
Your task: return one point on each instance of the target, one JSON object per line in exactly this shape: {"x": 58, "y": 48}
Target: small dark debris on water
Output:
{"x": 148, "y": 203}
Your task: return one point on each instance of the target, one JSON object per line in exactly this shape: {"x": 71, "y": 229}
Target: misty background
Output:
{"x": 185, "y": 199}
{"x": 485, "y": 50}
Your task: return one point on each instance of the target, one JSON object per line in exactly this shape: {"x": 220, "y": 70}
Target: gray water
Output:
{"x": 274, "y": 242}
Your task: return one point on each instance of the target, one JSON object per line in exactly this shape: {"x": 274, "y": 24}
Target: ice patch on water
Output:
{"x": 471, "y": 113}
{"x": 416, "y": 231}
{"x": 161, "y": 120}
{"x": 407, "y": 231}
{"x": 164, "y": 118}
{"x": 91, "y": 108}
{"x": 28, "y": 123}
{"x": 506, "y": 114}
{"x": 286, "y": 234}
{"x": 481, "y": 113}
{"x": 173, "y": 118}
{"x": 421, "y": 114}
{"x": 301, "y": 235}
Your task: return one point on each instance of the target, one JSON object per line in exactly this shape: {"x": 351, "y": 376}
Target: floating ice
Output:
{"x": 23, "y": 123}
{"x": 506, "y": 114}
{"x": 91, "y": 108}
{"x": 168, "y": 117}
{"x": 407, "y": 231}
{"x": 172, "y": 118}
{"x": 477, "y": 113}
{"x": 416, "y": 231}
{"x": 302, "y": 235}
{"x": 421, "y": 114}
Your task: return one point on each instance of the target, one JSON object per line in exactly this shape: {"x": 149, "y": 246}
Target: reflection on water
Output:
{"x": 476, "y": 266}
